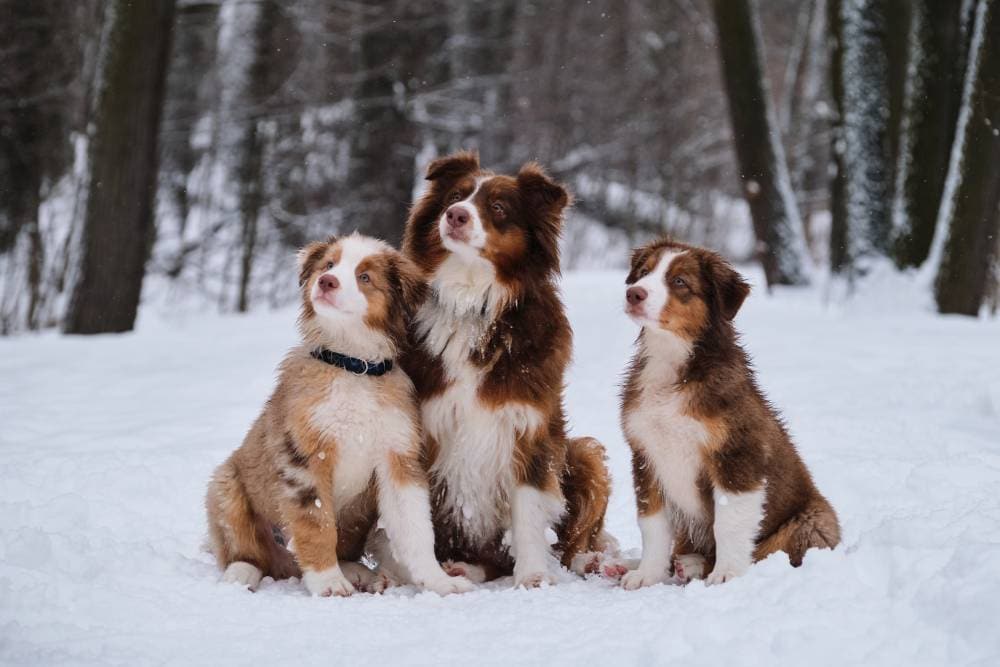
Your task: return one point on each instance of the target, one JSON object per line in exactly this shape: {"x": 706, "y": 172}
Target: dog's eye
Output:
{"x": 643, "y": 273}
{"x": 365, "y": 278}
{"x": 679, "y": 282}
{"x": 454, "y": 197}
{"x": 498, "y": 208}
{"x": 329, "y": 265}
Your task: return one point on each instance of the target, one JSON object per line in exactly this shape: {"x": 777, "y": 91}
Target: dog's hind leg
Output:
{"x": 241, "y": 541}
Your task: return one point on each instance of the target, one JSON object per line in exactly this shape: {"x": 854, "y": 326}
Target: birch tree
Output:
{"x": 861, "y": 189}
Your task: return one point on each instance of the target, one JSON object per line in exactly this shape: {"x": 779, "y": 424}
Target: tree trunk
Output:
{"x": 485, "y": 34}
{"x": 971, "y": 210}
{"x": 898, "y": 18}
{"x": 861, "y": 189}
{"x": 934, "y": 96}
{"x": 43, "y": 47}
{"x": 265, "y": 76}
{"x": 763, "y": 171}
{"x": 838, "y": 197}
{"x": 192, "y": 58}
{"x": 392, "y": 51}
{"x": 118, "y": 227}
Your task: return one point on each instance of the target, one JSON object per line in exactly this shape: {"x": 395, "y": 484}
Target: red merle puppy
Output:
{"x": 716, "y": 474}
{"x": 489, "y": 349}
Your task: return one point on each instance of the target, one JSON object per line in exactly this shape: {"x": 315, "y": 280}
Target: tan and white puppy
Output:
{"x": 716, "y": 474}
{"x": 337, "y": 445}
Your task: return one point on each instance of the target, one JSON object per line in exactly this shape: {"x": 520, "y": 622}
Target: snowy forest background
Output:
{"x": 182, "y": 149}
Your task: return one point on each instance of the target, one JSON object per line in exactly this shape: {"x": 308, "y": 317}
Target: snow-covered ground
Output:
{"x": 106, "y": 444}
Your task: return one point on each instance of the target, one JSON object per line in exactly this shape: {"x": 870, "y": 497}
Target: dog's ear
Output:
{"x": 454, "y": 166}
{"x": 309, "y": 255}
{"x": 638, "y": 259}
{"x": 729, "y": 287}
{"x": 408, "y": 283}
{"x": 539, "y": 190}
{"x": 543, "y": 200}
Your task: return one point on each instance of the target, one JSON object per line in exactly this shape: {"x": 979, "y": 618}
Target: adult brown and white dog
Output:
{"x": 490, "y": 348}
{"x": 337, "y": 445}
{"x": 715, "y": 472}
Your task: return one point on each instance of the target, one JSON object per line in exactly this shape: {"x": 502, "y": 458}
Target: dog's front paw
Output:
{"x": 641, "y": 578}
{"x": 327, "y": 583}
{"x": 447, "y": 585}
{"x": 474, "y": 573}
{"x": 688, "y": 567}
{"x": 533, "y": 578}
{"x": 242, "y": 573}
{"x": 722, "y": 573}
{"x": 599, "y": 563}
{"x": 363, "y": 579}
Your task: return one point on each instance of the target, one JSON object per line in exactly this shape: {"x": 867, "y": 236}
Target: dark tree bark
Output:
{"x": 973, "y": 212}
{"x": 861, "y": 189}
{"x": 898, "y": 17}
{"x": 192, "y": 58}
{"x": 41, "y": 50}
{"x": 393, "y": 51}
{"x": 118, "y": 228}
{"x": 838, "y": 197}
{"x": 935, "y": 87}
{"x": 36, "y": 106}
{"x": 479, "y": 70}
{"x": 267, "y": 73}
{"x": 763, "y": 171}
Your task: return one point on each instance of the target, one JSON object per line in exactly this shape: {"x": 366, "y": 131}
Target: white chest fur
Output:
{"x": 671, "y": 440}
{"x": 365, "y": 432}
{"x": 475, "y": 442}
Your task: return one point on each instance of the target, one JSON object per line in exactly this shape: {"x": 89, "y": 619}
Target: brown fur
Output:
{"x": 746, "y": 442}
{"x": 279, "y": 484}
{"x": 524, "y": 351}
{"x": 587, "y": 488}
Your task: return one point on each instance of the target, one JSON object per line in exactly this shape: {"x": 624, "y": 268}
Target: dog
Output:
{"x": 337, "y": 445}
{"x": 489, "y": 350}
{"x": 715, "y": 471}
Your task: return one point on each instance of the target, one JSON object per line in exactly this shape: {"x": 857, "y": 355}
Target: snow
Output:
{"x": 107, "y": 443}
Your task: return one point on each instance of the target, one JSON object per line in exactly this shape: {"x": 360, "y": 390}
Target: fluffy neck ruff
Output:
{"x": 464, "y": 287}
{"x": 666, "y": 354}
{"x": 350, "y": 338}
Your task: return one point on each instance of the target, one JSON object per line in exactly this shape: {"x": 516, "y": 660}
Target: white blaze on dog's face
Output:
{"x": 341, "y": 289}
{"x": 647, "y": 296}
{"x": 359, "y": 292}
{"x": 461, "y": 223}
{"x": 507, "y": 225}
{"x": 682, "y": 290}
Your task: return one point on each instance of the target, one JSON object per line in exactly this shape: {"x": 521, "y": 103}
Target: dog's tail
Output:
{"x": 586, "y": 484}
{"x": 815, "y": 526}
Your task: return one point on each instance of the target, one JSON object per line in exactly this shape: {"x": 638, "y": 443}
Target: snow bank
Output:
{"x": 107, "y": 443}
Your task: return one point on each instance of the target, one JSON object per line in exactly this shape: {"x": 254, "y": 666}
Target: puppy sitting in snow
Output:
{"x": 715, "y": 472}
{"x": 337, "y": 444}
